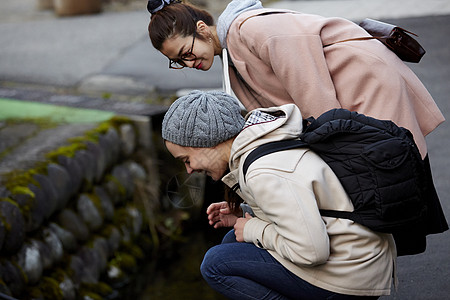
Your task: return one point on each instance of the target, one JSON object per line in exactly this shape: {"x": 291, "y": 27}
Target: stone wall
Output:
{"x": 79, "y": 207}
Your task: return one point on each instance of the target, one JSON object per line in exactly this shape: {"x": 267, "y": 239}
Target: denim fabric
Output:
{"x": 243, "y": 271}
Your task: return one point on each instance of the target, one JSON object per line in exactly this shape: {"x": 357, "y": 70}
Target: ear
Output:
{"x": 202, "y": 28}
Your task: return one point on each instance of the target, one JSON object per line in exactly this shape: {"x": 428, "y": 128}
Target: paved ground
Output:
{"x": 109, "y": 54}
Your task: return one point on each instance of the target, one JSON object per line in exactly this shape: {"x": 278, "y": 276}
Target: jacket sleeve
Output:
{"x": 294, "y": 229}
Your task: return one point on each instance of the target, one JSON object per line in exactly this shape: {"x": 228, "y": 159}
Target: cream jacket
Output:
{"x": 285, "y": 190}
{"x": 280, "y": 59}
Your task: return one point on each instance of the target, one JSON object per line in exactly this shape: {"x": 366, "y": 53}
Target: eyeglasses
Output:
{"x": 179, "y": 63}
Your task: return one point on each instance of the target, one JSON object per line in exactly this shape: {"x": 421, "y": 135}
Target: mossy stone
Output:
{"x": 13, "y": 277}
{"x": 71, "y": 222}
{"x": 61, "y": 181}
{"x": 89, "y": 212}
{"x": 12, "y": 224}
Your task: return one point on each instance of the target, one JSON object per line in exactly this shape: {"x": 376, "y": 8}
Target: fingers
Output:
{"x": 216, "y": 206}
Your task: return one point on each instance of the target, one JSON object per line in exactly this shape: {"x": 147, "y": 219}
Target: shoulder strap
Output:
{"x": 357, "y": 39}
{"x": 264, "y": 14}
{"x": 270, "y": 148}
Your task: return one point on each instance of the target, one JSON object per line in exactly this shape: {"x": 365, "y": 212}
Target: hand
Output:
{"x": 220, "y": 215}
{"x": 239, "y": 227}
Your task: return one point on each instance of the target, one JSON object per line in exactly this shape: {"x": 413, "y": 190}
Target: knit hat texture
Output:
{"x": 202, "y": 119}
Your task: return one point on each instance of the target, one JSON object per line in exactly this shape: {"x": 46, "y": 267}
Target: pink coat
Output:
{"x": 282, "y": 60}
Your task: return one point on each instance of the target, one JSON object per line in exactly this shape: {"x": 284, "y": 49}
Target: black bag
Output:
{"x": 397, "y": 39}
{"x": 379, "y": 166}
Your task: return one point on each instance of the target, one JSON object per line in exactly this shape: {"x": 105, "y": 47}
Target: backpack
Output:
{"x": 379, "y": 166}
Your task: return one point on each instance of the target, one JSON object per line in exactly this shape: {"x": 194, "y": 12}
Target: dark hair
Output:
{"x": 232, "y": 198}
{"x": 176, "y": 19}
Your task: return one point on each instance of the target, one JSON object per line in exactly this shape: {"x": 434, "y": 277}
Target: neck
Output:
{"x": 216, "y": 41}
{"x": 225, "y": 149}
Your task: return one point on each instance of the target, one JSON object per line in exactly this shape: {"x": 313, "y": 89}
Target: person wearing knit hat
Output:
{"x": 199, "y": 128}
{"x": 284, "y": 249}
{"x": 202, "y": 119}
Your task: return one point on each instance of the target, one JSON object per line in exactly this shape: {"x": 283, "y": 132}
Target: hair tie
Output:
{"x": 154, "y": 6}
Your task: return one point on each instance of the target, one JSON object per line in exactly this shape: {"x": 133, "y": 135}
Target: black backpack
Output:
{"x": 379, "y": 166}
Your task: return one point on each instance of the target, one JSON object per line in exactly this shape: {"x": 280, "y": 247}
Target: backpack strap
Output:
{"x": 270, "y": 148}
{"x": 341, "y": 215}
{"x": 288, "y": 145}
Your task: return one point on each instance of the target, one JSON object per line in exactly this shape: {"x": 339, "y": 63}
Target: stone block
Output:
{"x": 89, "y": 212}
{"x": 128, "y": 139}
{"x": 32, "y": 206}
{"x": 49, "y": 192}
{"x": 87, "y": 163}
{"x": 110, "y": 143}
{"x": 13, "y": 277}
{"x": 67, "y": 239}
{"x": 105, "y": 202}
{"x": 79, "y": 272}
{"x": 61, "y": 181}
{"x": 123, "y": 174}
{"x": 136, "y": 170}
{"x": 92, "y": 261}
{"x": 71, "y": 222}
{"x": 14, "y": 234}
{"x": 100, "y": 160}
{"x": 75, "y": 173}
{"x": 30, "y": 261}
{"x": 54, "y": 245}
{"x": 113, "y": 189}
{"x": 113, "y": 237}
{"x": 100, "y": 245}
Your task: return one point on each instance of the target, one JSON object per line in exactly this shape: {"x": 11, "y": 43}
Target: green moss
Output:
{"x": 101, "y": 289}
{"x": 68, "y": 151}
{"x": 24, "y": 275}
{"x": 97, "y": 202}
{"x": 19, "y": 178}
{"x": 121, "y": 189}
{"x": 133, "y": 250}
{"x": 107, "y": 230}
{"x": 59, "y": 275}
{"x": 90, "y": 295}
{"x": 124, "y": 261}
{"x": 50, "y": 288}
{"x": 6, "y": 225}
{"x": 118, "y": 121}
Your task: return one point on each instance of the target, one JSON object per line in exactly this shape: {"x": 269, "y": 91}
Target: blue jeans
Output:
{"x": 243, "y": 271}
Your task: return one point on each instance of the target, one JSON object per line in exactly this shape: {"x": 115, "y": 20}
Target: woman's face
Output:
{"x": 203, "y": 160}
{"x": 177, "y": 47}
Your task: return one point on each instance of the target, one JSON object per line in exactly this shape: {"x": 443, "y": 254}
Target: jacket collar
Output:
{"x": 262, "y": 126}
{"x": 234, "y": 9}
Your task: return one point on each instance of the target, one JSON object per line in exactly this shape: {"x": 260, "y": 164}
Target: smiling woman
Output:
{"x": 276, "y": 56}
{"x": 286, "y": 250}
{"x": 174, "y": 31}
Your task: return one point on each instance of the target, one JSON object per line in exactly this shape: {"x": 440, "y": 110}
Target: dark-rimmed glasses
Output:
{"x": 179, "y": 63}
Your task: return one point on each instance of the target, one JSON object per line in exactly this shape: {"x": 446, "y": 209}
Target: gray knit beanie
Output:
{"x": 202, "y": 119}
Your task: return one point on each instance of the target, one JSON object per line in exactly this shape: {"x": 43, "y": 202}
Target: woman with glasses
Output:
{"x": 277, "y": 57}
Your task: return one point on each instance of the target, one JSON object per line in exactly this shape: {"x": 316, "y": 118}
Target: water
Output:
{"x": 177, "y": 275}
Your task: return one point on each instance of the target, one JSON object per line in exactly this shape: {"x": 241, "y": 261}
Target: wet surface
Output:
{"x": 178, "y": 276}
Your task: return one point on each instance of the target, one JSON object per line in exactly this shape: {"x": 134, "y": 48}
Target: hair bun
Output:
{"x": 154, "y": 6}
